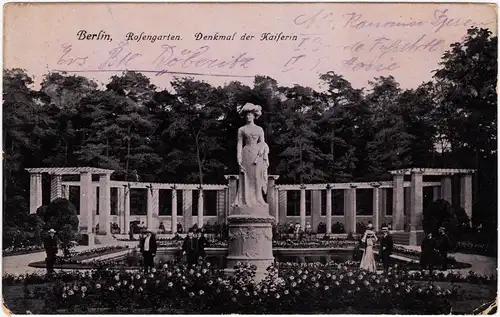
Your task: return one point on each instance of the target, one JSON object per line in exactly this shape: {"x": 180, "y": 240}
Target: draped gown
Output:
{"x": 368, "y": 260}
{"x": 253, "y": 157}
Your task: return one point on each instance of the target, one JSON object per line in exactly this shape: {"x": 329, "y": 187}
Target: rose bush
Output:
{"x": 204, "y": 289}
{"x": 21, "y": 249}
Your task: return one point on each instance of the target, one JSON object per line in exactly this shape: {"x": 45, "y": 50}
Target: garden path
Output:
{"x": 19, "y": 264}
{"x": 480, "y": 264}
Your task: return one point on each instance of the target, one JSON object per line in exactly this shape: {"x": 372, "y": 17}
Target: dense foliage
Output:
{"x": 341, "y": 134}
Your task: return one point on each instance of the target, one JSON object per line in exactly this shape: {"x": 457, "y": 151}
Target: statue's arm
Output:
{"x": 239, "y": 147}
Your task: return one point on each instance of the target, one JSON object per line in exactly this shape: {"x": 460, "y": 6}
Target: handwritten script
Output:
{"x": 313, "y": 42}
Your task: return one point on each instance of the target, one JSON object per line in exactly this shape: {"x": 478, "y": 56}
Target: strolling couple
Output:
{"x": 369, "y": 239}
{"x": 194, "y": 246}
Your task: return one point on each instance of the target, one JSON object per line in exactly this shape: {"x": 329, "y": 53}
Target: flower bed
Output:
{"x": 203, "y": 289}
{"x": 476, "y": 248}
{"x": 18, "y": 250}
{"x": 76, "y": 257}
{"x": 289, "y": 243}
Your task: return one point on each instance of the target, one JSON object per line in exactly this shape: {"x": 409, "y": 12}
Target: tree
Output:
{"x": 299, "y": 157}
{"x": 438, "y": 214}
{"x": 342, "y": 123}
{"x": 390, "y": 147}
{"x": 195, "y": 117}
{"x": 467, "y": 116}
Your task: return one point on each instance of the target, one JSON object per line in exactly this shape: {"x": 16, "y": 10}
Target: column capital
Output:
{"x": 174, "y": 187}
{"x": 273, "y": 177}
{"x": 417, "y": 172}
{"x": 302, "y": 186}
{"x": 376, "y": 184}
{"x": 329, "y": 186}
{"x": 353, "y": 186}
{"x": 232, "y": 176}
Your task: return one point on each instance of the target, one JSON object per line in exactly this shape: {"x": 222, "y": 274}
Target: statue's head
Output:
{"x": 249, "y": 111}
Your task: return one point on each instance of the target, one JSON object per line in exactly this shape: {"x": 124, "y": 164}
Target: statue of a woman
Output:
{"x": 252, "y": 159}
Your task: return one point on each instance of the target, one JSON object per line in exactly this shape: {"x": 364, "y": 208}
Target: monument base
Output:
{"x": 250, "y": 239}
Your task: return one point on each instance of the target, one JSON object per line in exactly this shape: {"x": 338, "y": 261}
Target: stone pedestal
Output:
{"x": 250, "y": 239}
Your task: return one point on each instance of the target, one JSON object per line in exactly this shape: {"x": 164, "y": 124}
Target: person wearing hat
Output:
{"x": 428, "y": 252}
{"x": 50, "y": 246}
{"x": 190, "y": 248}
{"x": 368, "y": 260}
{"x": 148, "y": 248}
{"x": 386, "y": 246}
{"x": 443, "y": 246}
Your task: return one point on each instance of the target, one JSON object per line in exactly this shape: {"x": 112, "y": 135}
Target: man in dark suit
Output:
{"x": 50, "y": 245}
{"x": 148, "y": 248}
{"x": 202, "y": 243}
{"x": 190, "y": 247}
{"x": 444, "y": 246}
{"x": 429, "y": 252}
{"x": 386, "y": 246}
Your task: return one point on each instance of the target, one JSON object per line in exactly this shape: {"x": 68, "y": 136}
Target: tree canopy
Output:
{"x": 188, "y": 133}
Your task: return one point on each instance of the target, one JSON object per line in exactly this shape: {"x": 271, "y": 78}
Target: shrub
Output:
{"x": 61, "y": 215}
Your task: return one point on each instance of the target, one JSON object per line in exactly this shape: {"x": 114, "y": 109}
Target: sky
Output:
{"x": 292, "y": 43}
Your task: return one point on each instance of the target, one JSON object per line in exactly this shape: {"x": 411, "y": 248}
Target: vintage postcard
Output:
{"x": 250, "y": 158}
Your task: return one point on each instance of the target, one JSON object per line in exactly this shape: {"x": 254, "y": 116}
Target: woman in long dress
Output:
{"x": 368, "y": 261}
{"x": 252, "y": 159}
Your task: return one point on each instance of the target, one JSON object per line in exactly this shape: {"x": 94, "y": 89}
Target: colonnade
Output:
{"x": 276, "y": 198}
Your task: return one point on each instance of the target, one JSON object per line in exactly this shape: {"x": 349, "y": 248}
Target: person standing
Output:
{"x": 148, "y": 248}
{"x": 189, "y": 248}
{"x": 50, "y": 246}
{"x": 429, "y": 252}
{"x": 443, "y": 246}
{"x": 202, "y": 243}
{"x": 386, "y": 246}
{"x": 368, "y": 259}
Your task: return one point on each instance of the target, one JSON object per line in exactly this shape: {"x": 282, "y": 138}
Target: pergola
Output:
{"x": 58, "y": 191}
{"x": 276, "y": 198}
{"x": 416, "y": 195}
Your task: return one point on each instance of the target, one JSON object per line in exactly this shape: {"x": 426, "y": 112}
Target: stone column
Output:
{"x": 446, "y": 188}
{"x": 152, "y": 208}
{"x": 417, "y": 207}
{"x": 436, "y": 193}
{"x": 65, "y": 191}
{"x": 376, "y": 207}
{"x": 104, "y": 204}
{"x": 126, "y": 209}
{"x": 271, "y": 195}
{"x": 315, "y": 209}
{"x": 303, "y": 207}
{"x": 221, "y": 206}
{"x": 56, "y": 187}
{"x": 350, "y": 209}
{"x": 187, "y": 208}
{"x": 398, "y": 202}
{"x": 383, "y": 203}
{"x": 86, "y": 204}
{"x": 200, "y": 208}
{"x": 466, "y": 194}
{"x": 93, "y": 206}
{"x": 283, "y": 202}
{"x": 35, "y": 192}
{"x": 328, "y": 209}
{"x": 120, "y": 212}
{"x": 233, "y": 190}
{"x": 174, "y": 210}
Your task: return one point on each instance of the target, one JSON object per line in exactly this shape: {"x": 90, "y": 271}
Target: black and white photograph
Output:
{"x": 250, "y": 158}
